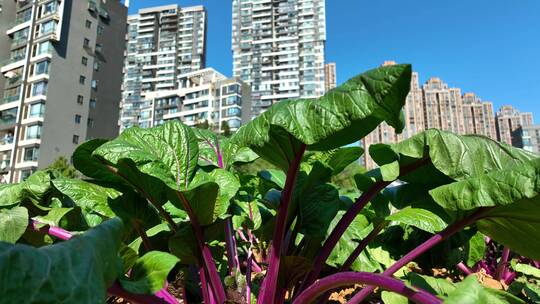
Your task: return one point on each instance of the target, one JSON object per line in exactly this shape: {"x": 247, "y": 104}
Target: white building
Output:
{"x": 162, "y": 43}
{"x": 204, "y": 96}
{"x": 278, "y": 49}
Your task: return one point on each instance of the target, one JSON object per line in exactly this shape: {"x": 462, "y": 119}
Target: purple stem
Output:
{"x": 348, "y": 218}
{"x": 205, "y": 288}
{"x": 232, "y": 253}
{"x": 427, "y": 245}
{"x": 162, "y": 296}
{"x": 464, "y": 268}
{"x": 361, "y": 246}
{"x": 207, "y": 260}
{"x": 269, "y": 286}
{"x": 350, "y": 278}
{"x": 502, "y": 267}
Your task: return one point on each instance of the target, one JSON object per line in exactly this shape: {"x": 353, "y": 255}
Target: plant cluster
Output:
{"x": 171, "y": 213}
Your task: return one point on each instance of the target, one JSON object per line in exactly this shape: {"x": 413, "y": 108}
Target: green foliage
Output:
{"x": 192, "y": 199}
{"x": 62, "y": 168}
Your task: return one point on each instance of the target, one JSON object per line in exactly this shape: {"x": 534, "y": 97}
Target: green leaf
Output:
{"x": 133, "y": 208}
{"x": 455, "y": 157}
{"x": 34, "y": 189}
{"x": 435, "y": 286}
{"x": 13, "y": 223}
{"x": 393, "y": 298}
{"x": 89, "y": 165}
{"x": 358, "y": 229}
{"x": 343, "y": 157}
{"x": 470, "y": 291}
{"x": 219, "y": 151}
{"x": 205, "y": 203}
{"x": 168, "y": 152}
{"x": 149, "y": 273}
{"x": 419, "y": 218}
{"x": 9, "y": 195}
{"x": 477, "y": 249}
{"x": 342, "y": 116}
{"x": 319, "y": 205}
{"x": 527, "y": 270}
{"x": 76, "y": 271}
{"x": 275, "y": 176}
{"x": 92, "y": 199}
{"x": 54, "y": 216}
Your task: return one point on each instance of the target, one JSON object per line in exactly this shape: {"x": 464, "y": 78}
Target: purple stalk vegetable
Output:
{"x": 207, "y": 260}
{"x": 361, "y": 246}
{"x": 269, "y": 286}
{"x": 350, "y": 278}
{"x": 162, "y": 296}
{"x": 464, "y": 268}
{"x": 502, "y": 267}
{"x": 427, "y": 245}
{"x": 230, "y": 242}
{"x": 348, "y": 218}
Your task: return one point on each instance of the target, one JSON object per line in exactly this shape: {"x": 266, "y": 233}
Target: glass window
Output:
{"x": 36, "y": 110}
{"x": 82, "y": 79}
{"x": 44, "y": 48}
{"x": 75, "y": 139}
{"x": 84, "y": 61}
{"x": 33, "y": 132}
{"x": 31, "y": 154}
{"x": 77, "y": 119}
{"x": 94, "y": 84}
{"x": 93, "y": 103}
{"x": 80, "y": 99}
{"x": 49, "y": 8}
{"x": 39, "y": 88}
{"x": 100, "y": 30}
{"x": 47, "y": 27}
{"x": 86, "y": 42}
{"x": 88, "y": 24}
{"x": 26, "y": 174}
{"x": 42, "y": 68}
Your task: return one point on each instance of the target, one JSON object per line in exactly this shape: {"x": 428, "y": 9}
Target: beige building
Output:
{"x": 436, "y": 105}
{"x": 330, "y": 80}
{"x": 508, "y": 122}
{"x": 478, "y": 116}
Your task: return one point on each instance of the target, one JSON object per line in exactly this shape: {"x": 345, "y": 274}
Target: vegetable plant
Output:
{"x": 168, "y": 214}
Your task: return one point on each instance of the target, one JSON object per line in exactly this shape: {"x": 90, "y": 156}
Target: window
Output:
{"x": 92, "y": 103}
{"x": 31, "y": 154}
{"x": 36, "y": 110}
{"x": 88, "y": 24}
{"x": 90, "y": 123}
{"x": 39, "y": 88}
{"x": 33, "y": 132}
{"x": 82, "y": 79}
{"x": 94, "y": 84}
{"x": 84, "y": 61}
{"x": 75, "y": 139}
{"x": 86, "y": 42}
{"x": 44, "y": 48}
{"x": 100, "y": 30}
{"x": 80, "y": 99}
{"x": 26, "y": 174}
{"x": 99, "y": 47}
{"x": 77, "y": 119}
{"x": 47, "y": 27}
{"x": 96, "y": 65}
{"x": 42, "y": 68}
{"x": 49, "y": 8}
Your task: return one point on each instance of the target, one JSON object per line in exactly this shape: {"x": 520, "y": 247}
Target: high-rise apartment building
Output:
{"x": 435, "y": 105}
{"x": 202, "y": 97}
{"x": 278, "y": 49}
{"x": 509, "y": 121}
{"x": 478, "y": 116}
{"x": 61, "y": 71}
{"x": 530, "y": 136}
{"x": 442, "y": 106}
{"x": 330, "y": 80}
{"x": 162, "y": 43}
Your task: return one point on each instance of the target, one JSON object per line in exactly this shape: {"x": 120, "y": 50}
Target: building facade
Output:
{"x": 478, "y": 116}
{"x": 278, "y": 49}
{"x": 509, "y": 121}
{"x": 61, "y": 71}
{"x": 204, "y": 97}
{"x": 162, "y": 43}
{"x": 330, "y": 80}
{"x": 530, "y": 136}
{"x": 436, "y": 105}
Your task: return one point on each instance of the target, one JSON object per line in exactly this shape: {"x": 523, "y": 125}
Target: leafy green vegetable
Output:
{"x": 13, "y": 223}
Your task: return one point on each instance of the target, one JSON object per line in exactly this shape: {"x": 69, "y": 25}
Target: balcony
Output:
{"x": 92, "y": 6}
{"x": 9, "y": 99}
{"x": 5, "y": 166}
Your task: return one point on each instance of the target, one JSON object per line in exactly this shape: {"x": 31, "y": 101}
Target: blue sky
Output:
{"x": 490, "y": 47}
